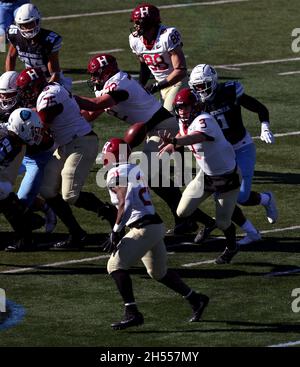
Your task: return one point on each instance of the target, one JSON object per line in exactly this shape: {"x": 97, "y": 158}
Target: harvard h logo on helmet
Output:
{"x": 30, "y": 83}
{"x": 101, "y": 68}
{"x": 144, "y": 16}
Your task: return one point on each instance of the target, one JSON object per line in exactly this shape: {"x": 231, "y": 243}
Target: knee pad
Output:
{"x": 157, "y": 274}
{"x": 5, "y": 189}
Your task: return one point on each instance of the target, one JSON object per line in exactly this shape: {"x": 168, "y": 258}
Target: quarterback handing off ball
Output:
{"x": 136, "y": 134}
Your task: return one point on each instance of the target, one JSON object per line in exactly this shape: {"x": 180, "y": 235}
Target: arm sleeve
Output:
{"x": 254, "y": 105}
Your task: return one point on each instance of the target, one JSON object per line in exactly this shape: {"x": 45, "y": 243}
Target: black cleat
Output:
{"x": 226, "y": 256}
{"x": 129, "y": 321}
{"x": 204, "y": 233}
{"x": 184, "y": 227}
{"x": 72, "y": 242}
{"x": 21, "y": 246}
{"x": 198, "y": 307}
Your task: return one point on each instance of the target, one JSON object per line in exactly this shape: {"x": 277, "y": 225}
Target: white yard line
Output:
{"x": 282, "y": 345}
{"x": 281, "y": 134}
{"x": 106, "y": 51}
{"x": 22, "y": 270}
{"x": 189, "y": 265}
{"x": 290, "y": 73}
{"x": 111, "y": 12}
{"x": 238, "y": 66}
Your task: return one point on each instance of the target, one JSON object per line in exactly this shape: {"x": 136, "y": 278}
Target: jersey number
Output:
{"x": 222, "y": 121}
{"x": 155, "y": 62}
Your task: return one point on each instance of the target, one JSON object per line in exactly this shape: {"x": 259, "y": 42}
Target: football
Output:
{"x": 135, "y": 134}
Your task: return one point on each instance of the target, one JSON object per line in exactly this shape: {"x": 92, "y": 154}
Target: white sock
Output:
{"x": 248, "y": 227}
{"x": 264, "y": 199}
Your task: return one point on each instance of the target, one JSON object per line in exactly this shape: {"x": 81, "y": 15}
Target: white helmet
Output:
{"x": 28, "y": 13}
{"x": 204, "y": 81}
{"x": 26, "y": 123}
{"x": 8, "y": 90}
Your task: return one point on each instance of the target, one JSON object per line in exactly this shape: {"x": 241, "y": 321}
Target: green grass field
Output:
{"x": 73, "y": 303}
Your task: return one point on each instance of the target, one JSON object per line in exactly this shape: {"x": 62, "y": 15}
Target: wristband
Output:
{"x": 163, "y": 84}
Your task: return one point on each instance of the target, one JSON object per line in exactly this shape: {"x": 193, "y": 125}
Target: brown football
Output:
{"x": 135, "y": 134}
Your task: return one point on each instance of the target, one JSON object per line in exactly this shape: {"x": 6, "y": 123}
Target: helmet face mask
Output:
{"x": 27, "y": 125}
{"x": 8, "y": 90}
{"x": 30, "y": 83}
{"x": 145, "y": 16}
{"x": 101, "y": 68}
{"x": 186, "y": 106}
{"x": 204, "y": 81}
{"x": 27, "y": 19}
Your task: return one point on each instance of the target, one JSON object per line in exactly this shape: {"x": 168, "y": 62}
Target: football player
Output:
{"x": 34, "y": 46}
{"x": 7, "y": 11}
{"x": 36, "y": 156}
{"x": 23, "y": 127}
{"x": 218, "y": 175}
{"x": 124, "y": 98}
{"x": 145, "y": 239}
{"x": 159, "y": 50}
{"x": 77, "y": 148}
{"x": 224, "y": 102}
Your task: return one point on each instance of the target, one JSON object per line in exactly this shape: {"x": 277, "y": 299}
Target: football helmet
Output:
{"x": 101, "y": 68}
{"x": 115, "y": 151}
{"x": 144, "y": 16}
{"x": 27, "y": 19}
{"x": 8, "y": 90}
{"x": 30, "y": 84}
{"x": 204, "y": 81}
{"x": 184, "y": 98}
{"x": 26, "y": 123}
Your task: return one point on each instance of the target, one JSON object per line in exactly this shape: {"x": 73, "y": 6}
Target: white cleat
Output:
{"x": 249, "y": 238}
{"x": 50, "y": 220}
{"x": 271, "y": 208}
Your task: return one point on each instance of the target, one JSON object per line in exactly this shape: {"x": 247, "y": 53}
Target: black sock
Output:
{"x": 124, "y": 285}
{"x": 173, "y": 281}
{"x": 230, "y": 237}
{"x": 238, "y": 216}
{"x": 64, "y": 212}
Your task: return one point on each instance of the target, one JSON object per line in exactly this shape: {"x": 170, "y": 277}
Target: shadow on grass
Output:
{"x": 263, "y": 177}
{"x": 233, "y": 327}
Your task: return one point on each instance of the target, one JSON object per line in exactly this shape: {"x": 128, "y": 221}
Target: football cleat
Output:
{"x": 271, "y": 208}
{"x": 186, "y": 226}
{"x": 135, "y": 319}
{"x": 198, "y": 307}
{"x": 50, "y": 220}
{"x": 250, "y": 238}
{"x": 204, "y": 233}
{"x": 21, "y": 245}
{"x": 226, "y": 256}
{"x": 72, "y": 242}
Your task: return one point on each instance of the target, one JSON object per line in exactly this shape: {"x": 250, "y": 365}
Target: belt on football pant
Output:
{"x": 146, "y": 220}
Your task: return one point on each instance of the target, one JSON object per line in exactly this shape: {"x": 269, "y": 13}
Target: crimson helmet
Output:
{"x": 115, "y": 150}
{"x": 30, "y": 84}
{"x": 144, "y": 16}
{"x": 187, "y": 97}
{"x": 101, "y": 68}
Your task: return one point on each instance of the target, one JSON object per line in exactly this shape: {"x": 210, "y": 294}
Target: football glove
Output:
{"x": 266, "y": 134}
{"x": 111, "y": 244}
{"x": 153, "y": 88}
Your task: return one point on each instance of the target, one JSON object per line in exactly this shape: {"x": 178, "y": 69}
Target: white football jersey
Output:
{"x": 157, "y": 57}
{"x": 140, "y": 105}
{"x": 215, "y": 157}
{"x": 69, "y": 124}
{"x": 138, "y": 200}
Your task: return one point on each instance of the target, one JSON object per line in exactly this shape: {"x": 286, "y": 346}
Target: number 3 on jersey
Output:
{"x": 155, "y": 62}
